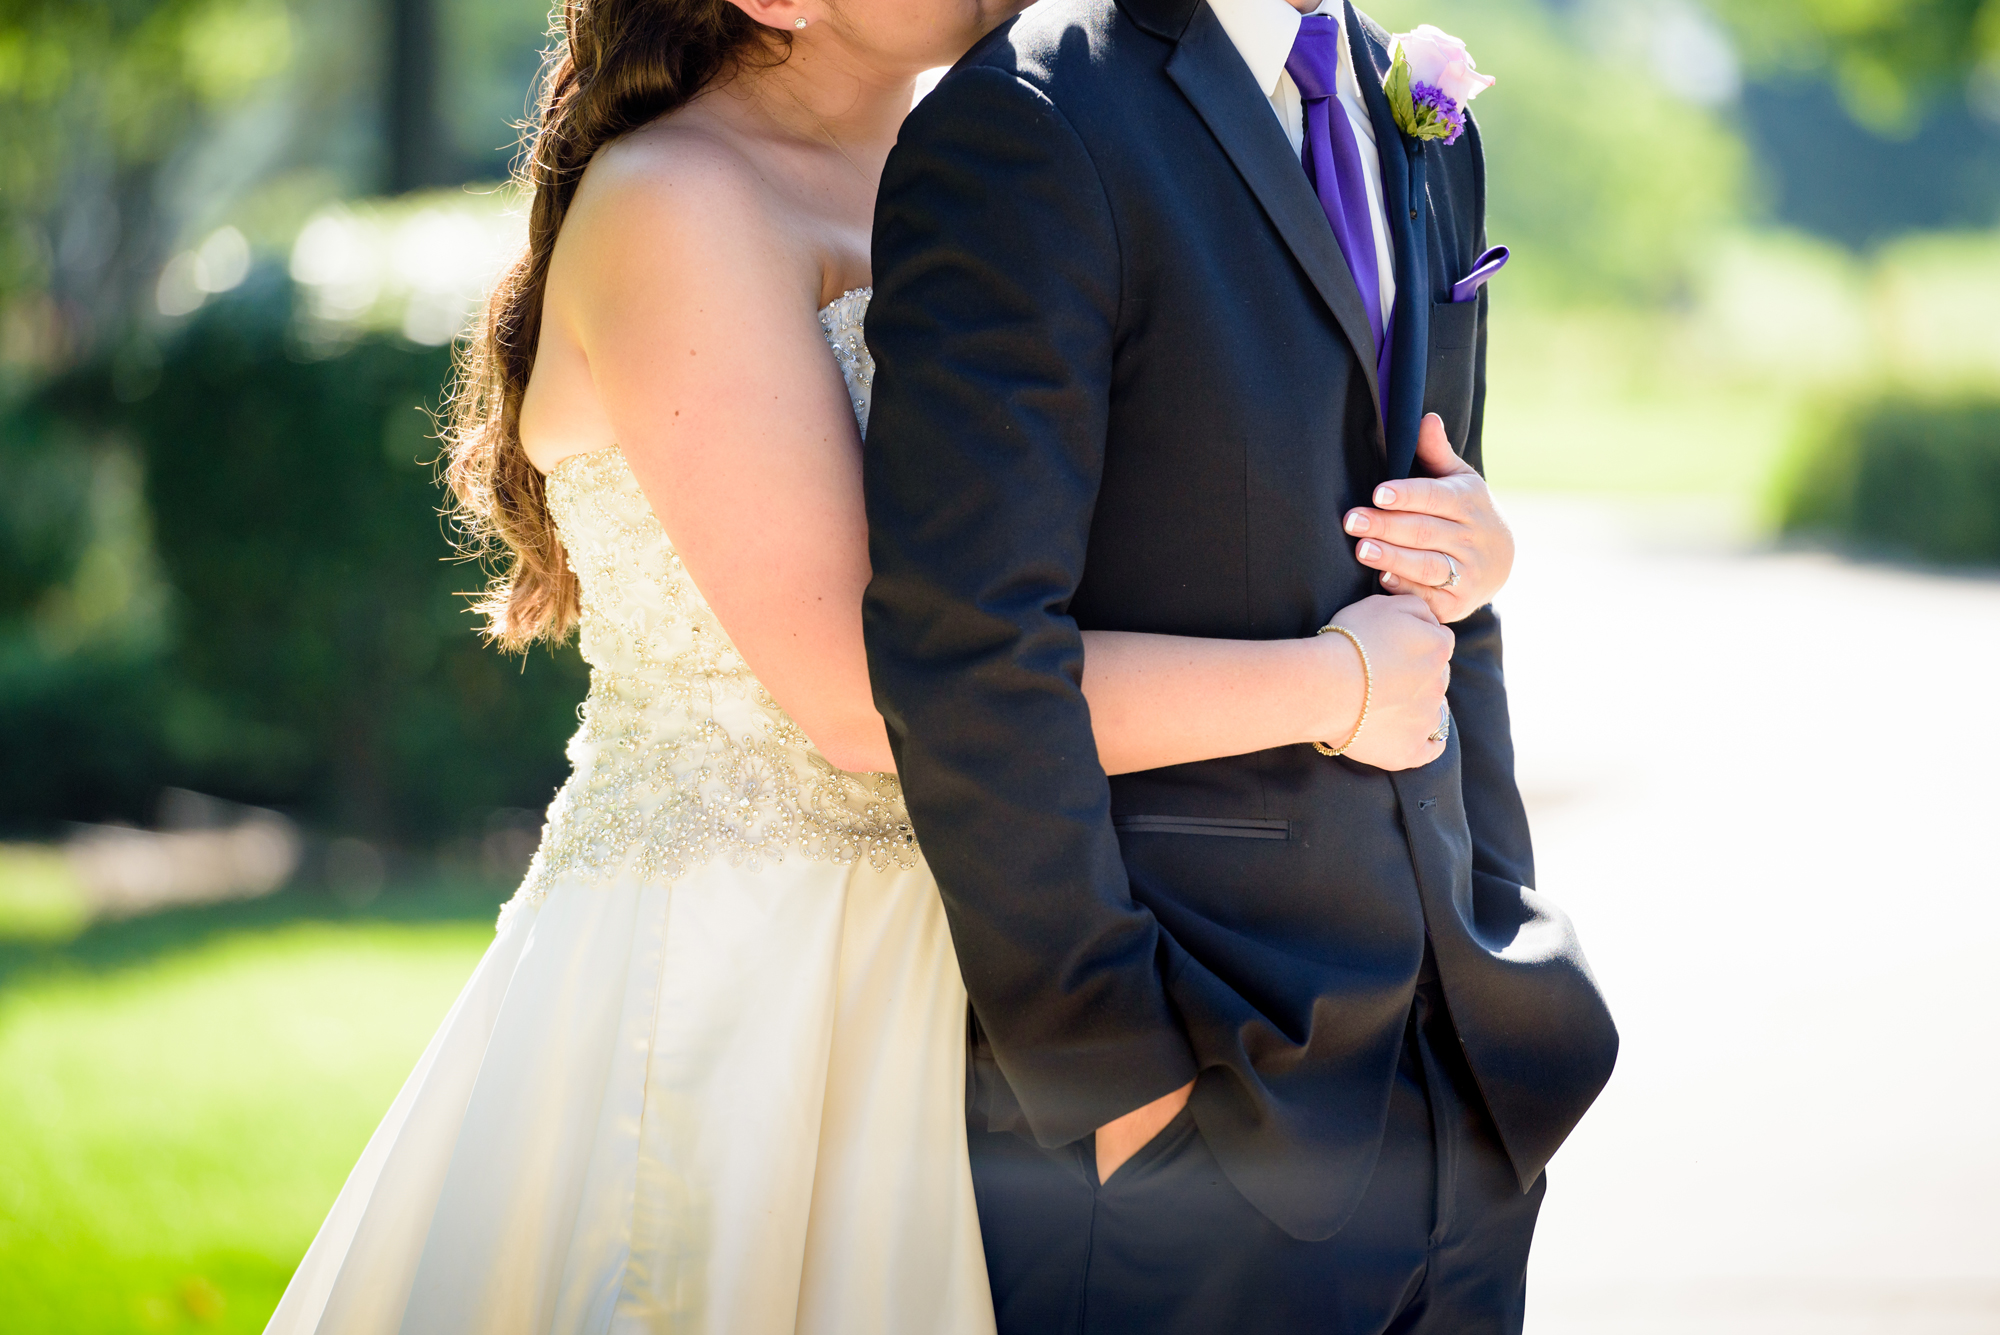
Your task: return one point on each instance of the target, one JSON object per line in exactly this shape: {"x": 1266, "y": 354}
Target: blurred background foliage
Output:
{"x": 221, "y": 565}
{"x": 1889, "y": 58}
{"x": 310, "y": 653}
{"x": 1757, "y": 263}
{"x": 1903, "y": 473}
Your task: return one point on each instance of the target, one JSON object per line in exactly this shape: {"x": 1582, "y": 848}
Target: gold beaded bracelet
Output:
{"x": 1367, "y": 689}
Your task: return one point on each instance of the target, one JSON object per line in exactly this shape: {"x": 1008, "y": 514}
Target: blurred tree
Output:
{"x": 150, "y": 151}
{"x": 44, "y": 511}
{"x": 80, "y": 625}
{"x": 1904, "y": 475}
{"x": 419, "y": 148}
{"x": 1824, "y": 172}
{"x": 95, "y": 95}
{"x": 492, "y": 51}
{"x": 1885, "y": 54}
{"x": 318, "y": 655}
{"x": 129, "y": 129}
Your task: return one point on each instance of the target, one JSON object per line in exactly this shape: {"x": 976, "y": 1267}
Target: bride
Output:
{"x": 710, "y": 1075}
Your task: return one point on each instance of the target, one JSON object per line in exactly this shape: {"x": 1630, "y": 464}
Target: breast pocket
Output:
{"x": 1449, "y": 366}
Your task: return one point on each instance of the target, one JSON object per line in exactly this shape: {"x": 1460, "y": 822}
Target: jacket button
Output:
{"x": 1413, "y": 215}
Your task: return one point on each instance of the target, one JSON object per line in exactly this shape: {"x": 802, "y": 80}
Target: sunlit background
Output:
{"x": 262, "y": 790}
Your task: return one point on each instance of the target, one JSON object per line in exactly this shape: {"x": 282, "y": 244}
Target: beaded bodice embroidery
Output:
{"x": 682, "y": 755}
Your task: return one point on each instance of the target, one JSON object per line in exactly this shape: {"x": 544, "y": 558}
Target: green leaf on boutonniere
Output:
{"x": 1397, "y": 86}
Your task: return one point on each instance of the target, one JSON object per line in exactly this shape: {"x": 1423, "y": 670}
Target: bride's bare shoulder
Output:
{"x": 687, "y": 161}
{"x": 679, "y": 192}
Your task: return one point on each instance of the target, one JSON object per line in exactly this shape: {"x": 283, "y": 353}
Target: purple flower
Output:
{"x": 1432, "y": 103}
{"x": 1441, "y": 60}
{"x": 1431, "y": 81}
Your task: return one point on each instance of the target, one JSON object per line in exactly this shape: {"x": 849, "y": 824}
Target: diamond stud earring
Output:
{"x": 798, "y": 23}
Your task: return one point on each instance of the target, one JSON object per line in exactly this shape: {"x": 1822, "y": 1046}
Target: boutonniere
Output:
{"x": 1431, "y": 79}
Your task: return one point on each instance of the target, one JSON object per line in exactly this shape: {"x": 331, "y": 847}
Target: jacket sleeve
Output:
{"x": 1501, "y": 848}
{"x": 996, "y": 298}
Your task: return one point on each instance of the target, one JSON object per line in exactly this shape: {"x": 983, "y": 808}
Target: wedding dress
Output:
{"x": 710, "y": 1075}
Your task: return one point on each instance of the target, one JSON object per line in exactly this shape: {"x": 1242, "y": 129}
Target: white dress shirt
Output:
{"x": 1263, "y": 32}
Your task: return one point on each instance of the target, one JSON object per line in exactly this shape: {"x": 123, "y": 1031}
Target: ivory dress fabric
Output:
{"x": 710, "y": 1075}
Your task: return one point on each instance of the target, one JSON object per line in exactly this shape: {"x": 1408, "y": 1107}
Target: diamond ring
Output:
{"x": 1444, "y": 720}
{"x": 1451, "y": 583}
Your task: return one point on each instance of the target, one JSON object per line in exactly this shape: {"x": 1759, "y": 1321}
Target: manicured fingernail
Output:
{"x": 1388, "y": 580}
{"x": 1369, "y": 551}
{"x": 1357, "y": 522}
{"x": 1385, "y": 495}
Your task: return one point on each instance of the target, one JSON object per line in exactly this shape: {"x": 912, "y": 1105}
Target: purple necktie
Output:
{"x": 1333, "y": 166}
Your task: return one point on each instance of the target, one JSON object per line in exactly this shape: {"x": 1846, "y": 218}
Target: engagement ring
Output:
{"x": 1451, "y": 583}
{"x": 1444, "y": 719}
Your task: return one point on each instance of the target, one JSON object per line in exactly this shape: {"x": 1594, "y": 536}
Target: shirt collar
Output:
{"x": 1263, "y": 32}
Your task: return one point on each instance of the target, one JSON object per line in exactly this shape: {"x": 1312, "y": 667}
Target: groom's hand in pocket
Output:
{"x": 1115, "y": 1142}
{"x": 1416, "y": 523}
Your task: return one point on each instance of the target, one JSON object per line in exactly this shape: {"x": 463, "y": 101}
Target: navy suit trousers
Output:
{"x": 1438, "y": 1246}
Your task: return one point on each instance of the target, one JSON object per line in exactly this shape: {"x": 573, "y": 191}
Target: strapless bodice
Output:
{"x": 682, "y": 755}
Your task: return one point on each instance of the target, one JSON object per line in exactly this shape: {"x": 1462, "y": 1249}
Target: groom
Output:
{"x": 1162, "y": 294}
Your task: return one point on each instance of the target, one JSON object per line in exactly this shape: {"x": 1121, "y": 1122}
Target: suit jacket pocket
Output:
{"x": 1448, "y": 370}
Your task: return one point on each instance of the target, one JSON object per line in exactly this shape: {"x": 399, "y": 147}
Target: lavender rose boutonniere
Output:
{"x": 1431, "y": 79}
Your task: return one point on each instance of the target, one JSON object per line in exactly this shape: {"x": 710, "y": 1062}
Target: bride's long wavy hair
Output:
{"x": 616, "y": 65}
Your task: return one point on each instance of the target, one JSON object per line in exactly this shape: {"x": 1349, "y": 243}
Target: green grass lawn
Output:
{"x": 182, "y": 1096}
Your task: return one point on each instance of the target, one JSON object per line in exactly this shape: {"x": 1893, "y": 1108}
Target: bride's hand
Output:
{"x": 1409, "y": 653}
{"x": 1418, "y": 522}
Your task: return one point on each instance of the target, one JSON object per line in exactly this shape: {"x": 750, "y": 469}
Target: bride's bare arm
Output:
{"x": 1167, "y": 699}
{"x": 696, "y": 311}
{"x": 712, "y": 370}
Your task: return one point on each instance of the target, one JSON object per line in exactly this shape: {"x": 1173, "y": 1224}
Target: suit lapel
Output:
{"x": 1210, "y": 73}
{"x": 1406, "y": 201}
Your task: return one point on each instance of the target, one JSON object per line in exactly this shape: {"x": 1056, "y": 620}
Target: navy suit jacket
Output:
{"x": 1125, "y": 381}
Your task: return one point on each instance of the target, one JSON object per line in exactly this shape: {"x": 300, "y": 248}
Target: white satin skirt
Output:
{"x": 731, "y": 1105}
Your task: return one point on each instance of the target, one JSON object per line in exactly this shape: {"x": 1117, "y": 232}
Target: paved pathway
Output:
{"x": 1764, "y": 785}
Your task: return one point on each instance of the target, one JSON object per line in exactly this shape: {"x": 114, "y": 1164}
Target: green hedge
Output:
{"x": 1903, "y": 475}
{"x": 317, "y": 655}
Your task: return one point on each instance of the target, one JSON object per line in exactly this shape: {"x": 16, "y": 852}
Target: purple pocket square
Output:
{"x": 1483, "y": 268}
